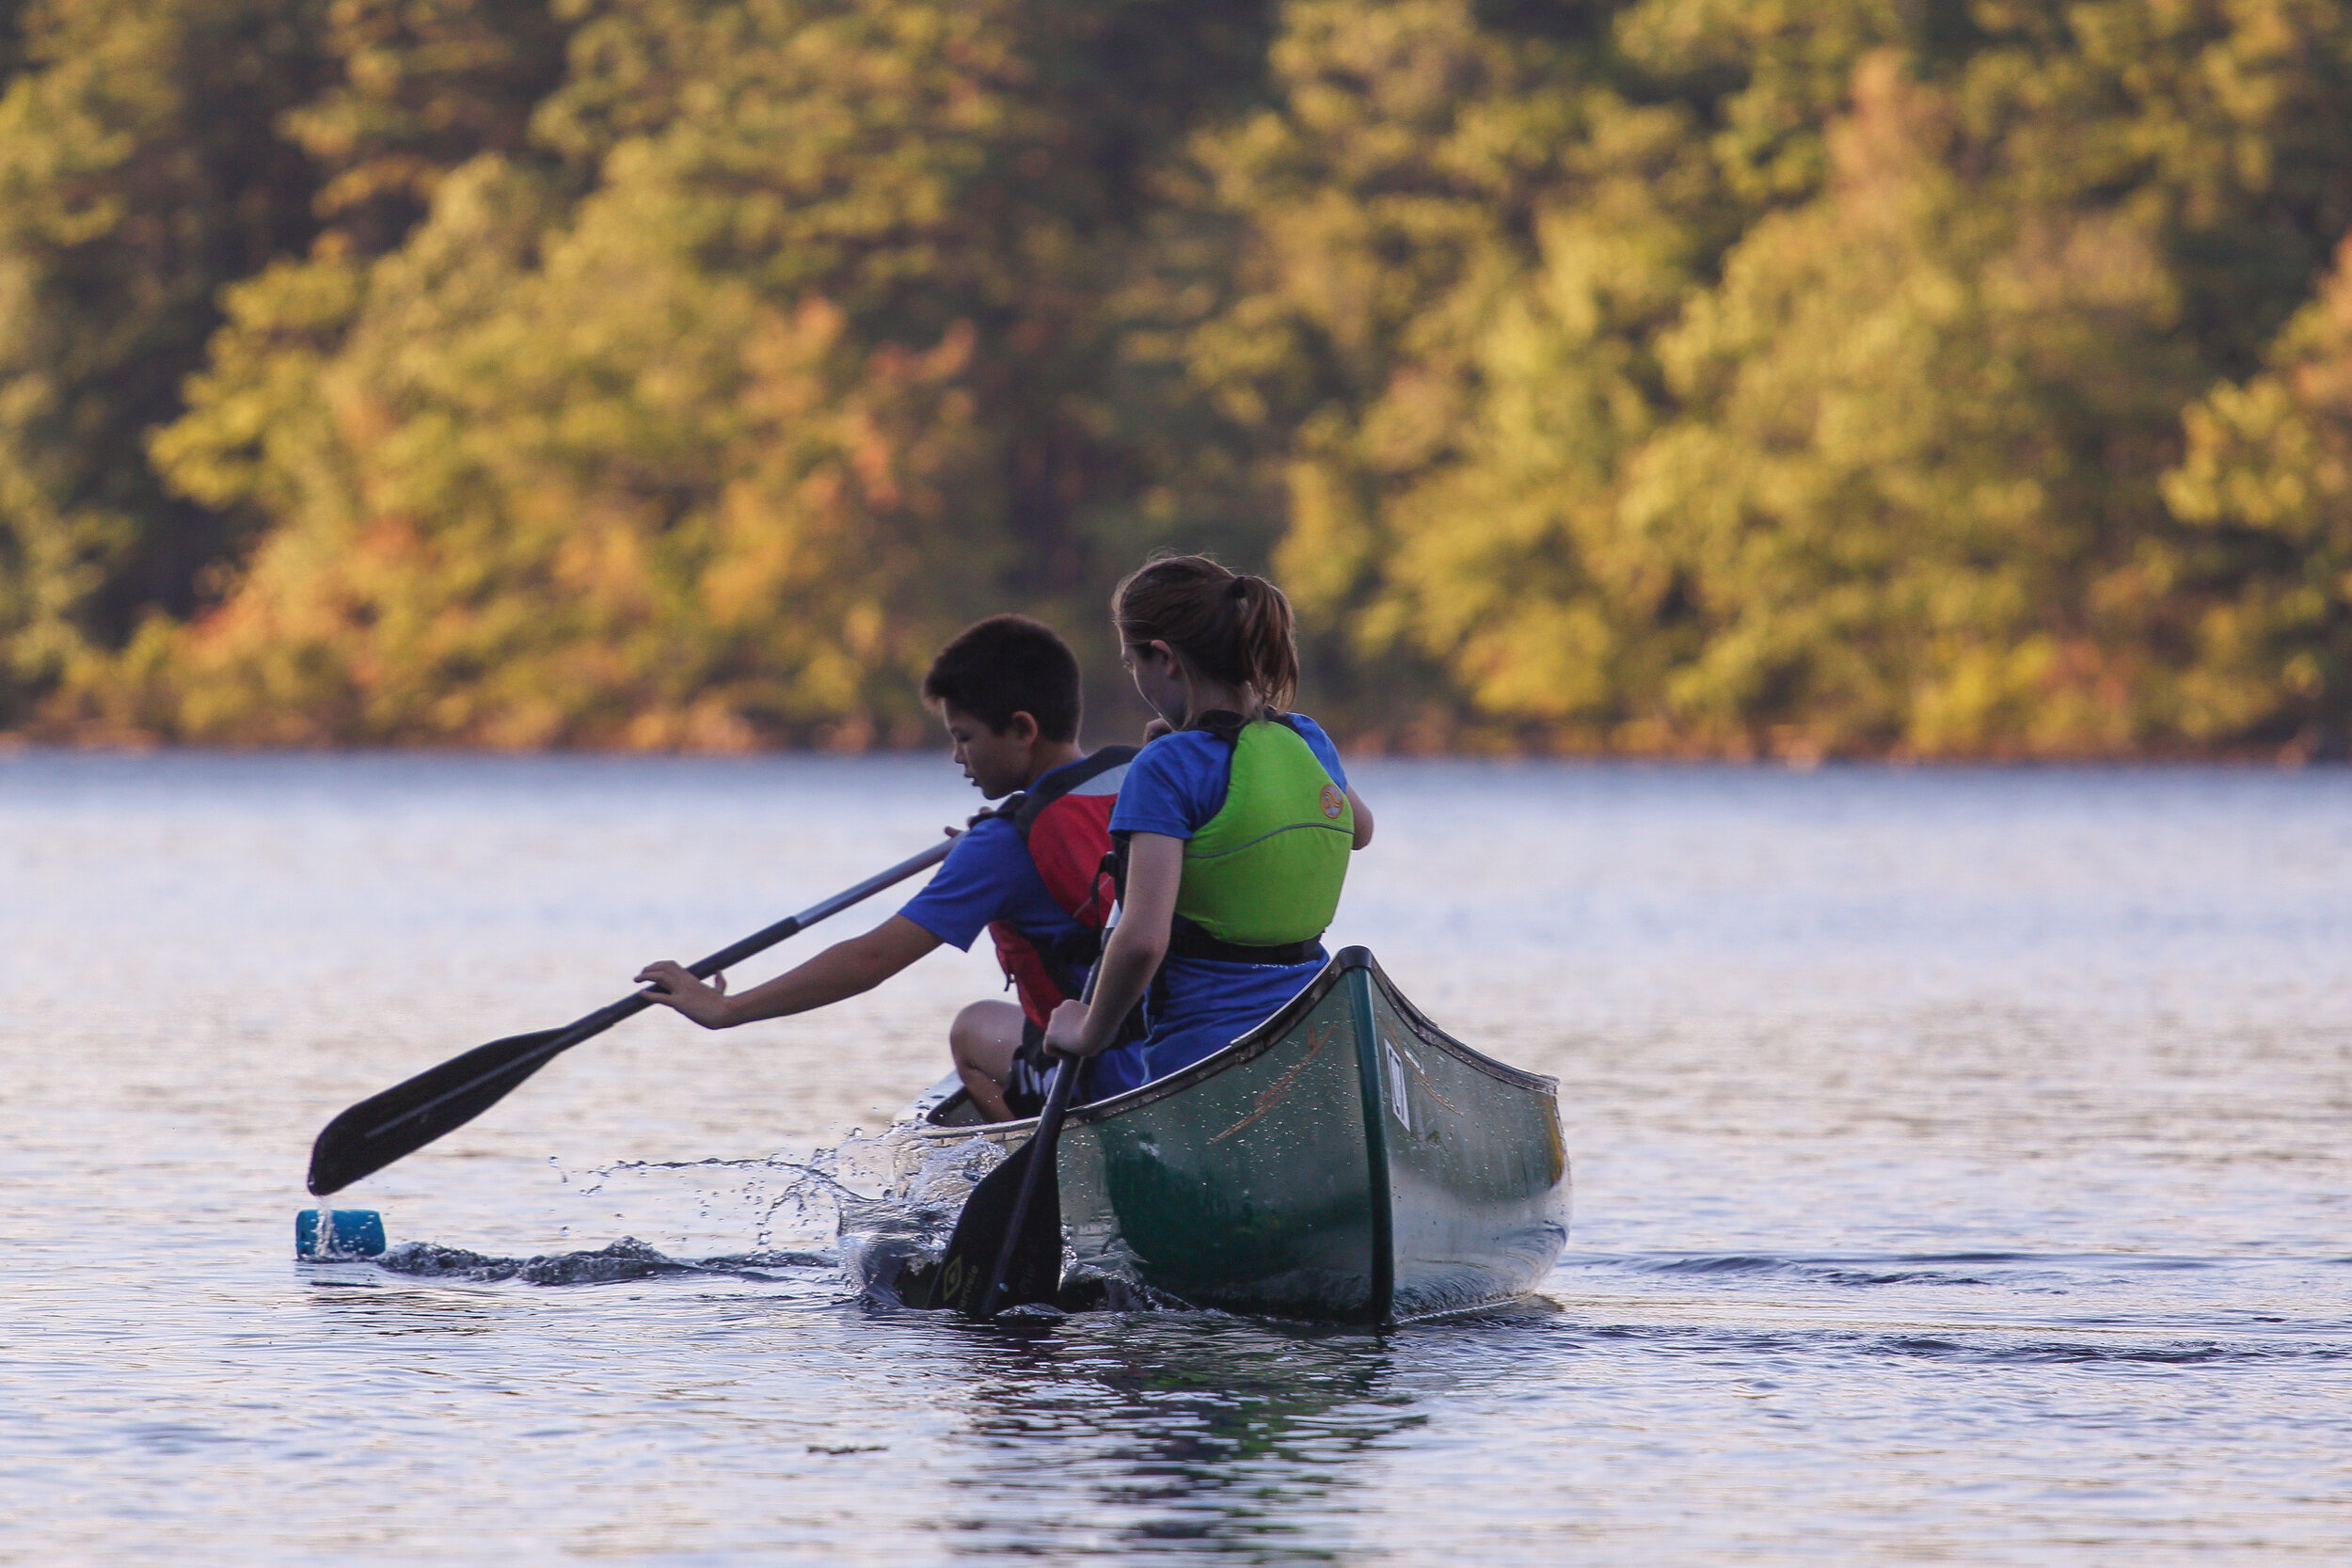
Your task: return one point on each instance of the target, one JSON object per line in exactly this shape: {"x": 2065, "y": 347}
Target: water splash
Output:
{"x": 866, "y": 1207}
{"x": 860, "y": 1184}
{"x": 911, "y": 1220}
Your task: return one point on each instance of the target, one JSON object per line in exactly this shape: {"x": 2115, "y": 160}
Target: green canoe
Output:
{"x": 1344, "y": 1161}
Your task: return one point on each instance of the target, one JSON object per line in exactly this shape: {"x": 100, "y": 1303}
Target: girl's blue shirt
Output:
{"x": 1198, "y": 1006}
{"x": 1177, "y": 783}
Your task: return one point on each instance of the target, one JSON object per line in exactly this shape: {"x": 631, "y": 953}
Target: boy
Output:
{"x": 1007, "y": 689}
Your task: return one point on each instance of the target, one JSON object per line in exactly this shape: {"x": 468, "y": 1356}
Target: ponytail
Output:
{"x": 1232, "y": 627}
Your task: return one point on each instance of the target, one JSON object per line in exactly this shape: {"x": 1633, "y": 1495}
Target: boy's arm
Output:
{"x": 844, "y": 970}
{"x": 1363, "y": 819}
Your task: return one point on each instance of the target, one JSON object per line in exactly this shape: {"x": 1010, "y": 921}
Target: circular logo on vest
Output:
{"x": 1333, "y": 801}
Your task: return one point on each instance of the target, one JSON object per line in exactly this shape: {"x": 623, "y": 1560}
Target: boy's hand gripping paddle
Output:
{"x": 406, "y": 1117}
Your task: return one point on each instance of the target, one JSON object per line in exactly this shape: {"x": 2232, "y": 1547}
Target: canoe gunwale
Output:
{"x": 1430, "y": 1035}
{"x": 1261, "y": 1038}
{"x": 1269, "y": 1033}
{"x": 1257, "y": 1042}
{"x": 1010, "y": 1134}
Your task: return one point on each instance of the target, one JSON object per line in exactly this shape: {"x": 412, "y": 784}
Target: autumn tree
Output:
{"x": 141, "y": 171}
{"x": 782, "y": 350}
{"x": 1872, "y": 378}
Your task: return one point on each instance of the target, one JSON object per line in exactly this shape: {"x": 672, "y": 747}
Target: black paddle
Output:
{"x": 1000, "y": 1257}
{"x": 1023, "y": 1241}
{"x": 406, "y": 1117}
{"x": 1024, "y": 1259}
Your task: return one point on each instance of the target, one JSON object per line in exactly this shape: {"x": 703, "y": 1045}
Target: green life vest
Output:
{"x": 1265, "y": 871}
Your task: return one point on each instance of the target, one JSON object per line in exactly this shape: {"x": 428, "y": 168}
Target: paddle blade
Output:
{"x": 1036, "y": 1271}
{"x": 407, "y": 1116}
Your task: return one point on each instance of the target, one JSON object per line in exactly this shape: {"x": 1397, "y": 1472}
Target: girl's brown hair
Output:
{"x": 1229, "y": 626}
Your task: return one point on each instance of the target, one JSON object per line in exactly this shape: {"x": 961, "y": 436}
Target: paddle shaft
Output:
{"x": 630, "y": 1007}
{"x": 1042, "y": 1141}
{"x": 1058, "y": 1094}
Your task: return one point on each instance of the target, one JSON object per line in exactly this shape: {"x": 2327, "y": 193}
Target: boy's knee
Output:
{"x": 975, "y": 1028}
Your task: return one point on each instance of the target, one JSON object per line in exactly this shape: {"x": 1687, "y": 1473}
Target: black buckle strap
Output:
{"x": 1186, "y": 940}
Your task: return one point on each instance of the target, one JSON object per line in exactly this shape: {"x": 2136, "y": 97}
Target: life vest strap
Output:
{"x": 1064, "y": 826}
{"x": 1026, "y": 806}
{"x": 1186, "y": 940}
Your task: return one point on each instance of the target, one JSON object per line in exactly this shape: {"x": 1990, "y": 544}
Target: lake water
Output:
{"x": 1960, "y": 1168}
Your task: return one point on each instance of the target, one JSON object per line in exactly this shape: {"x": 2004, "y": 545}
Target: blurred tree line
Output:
{"x": 1911, "y": 377}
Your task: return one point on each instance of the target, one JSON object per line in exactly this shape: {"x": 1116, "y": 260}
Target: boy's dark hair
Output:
{"x": 1005, "y": 665}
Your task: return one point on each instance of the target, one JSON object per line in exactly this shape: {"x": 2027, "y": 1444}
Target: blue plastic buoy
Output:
{"x": 350, "y": 1233}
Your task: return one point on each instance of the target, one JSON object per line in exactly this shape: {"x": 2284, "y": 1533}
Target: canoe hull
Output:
{"x": 1345, "y": 1161}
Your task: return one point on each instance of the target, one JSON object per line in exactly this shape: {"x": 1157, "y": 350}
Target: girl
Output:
{"x": 1237, "y": 822}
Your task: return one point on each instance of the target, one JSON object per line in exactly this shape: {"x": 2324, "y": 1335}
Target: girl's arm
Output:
{"x": 1363, "y": 819}
{"x": 1156, "y": 864}
{"x": 845, "y": 969}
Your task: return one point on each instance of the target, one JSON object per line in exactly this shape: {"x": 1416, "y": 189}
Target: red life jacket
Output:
{"x": 1066, "y": 823}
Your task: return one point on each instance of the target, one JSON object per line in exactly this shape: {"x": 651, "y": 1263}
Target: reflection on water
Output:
{"x": 1211, "y": 1431}
{"x": 1960, "y": 1168}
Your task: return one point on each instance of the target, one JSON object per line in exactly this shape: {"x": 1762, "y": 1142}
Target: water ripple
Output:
{"x": 1959, "y": 1165}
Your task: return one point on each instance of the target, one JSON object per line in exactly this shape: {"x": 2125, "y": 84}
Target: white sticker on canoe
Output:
{"x": 1396, "y": 1089}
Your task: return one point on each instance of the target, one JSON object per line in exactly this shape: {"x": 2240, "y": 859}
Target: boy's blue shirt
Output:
{"x": 988, "y": 876}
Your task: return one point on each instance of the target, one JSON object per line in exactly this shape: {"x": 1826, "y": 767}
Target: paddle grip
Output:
{"x": 759, "y": 942}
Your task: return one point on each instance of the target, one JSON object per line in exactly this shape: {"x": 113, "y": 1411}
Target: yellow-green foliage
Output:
{"x": 700, "y": 423}
{"x": 2268, "y": 477}
{"x": 1909, "y": 377}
